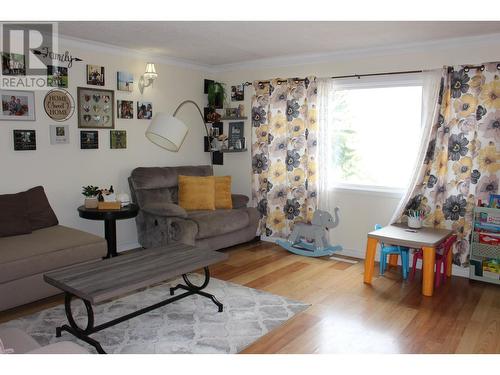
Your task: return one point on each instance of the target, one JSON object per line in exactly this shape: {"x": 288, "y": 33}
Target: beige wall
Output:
{"x": 64, "y": 169}
{"x": 359, "y": 210}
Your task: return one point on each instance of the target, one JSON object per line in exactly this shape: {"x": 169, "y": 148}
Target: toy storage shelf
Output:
{"x": 481, "y": 250}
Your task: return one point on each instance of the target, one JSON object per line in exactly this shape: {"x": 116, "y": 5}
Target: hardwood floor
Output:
{"x": 347, "y": 316}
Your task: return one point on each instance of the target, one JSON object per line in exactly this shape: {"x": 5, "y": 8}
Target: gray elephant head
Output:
{"x": 325, "y": 219}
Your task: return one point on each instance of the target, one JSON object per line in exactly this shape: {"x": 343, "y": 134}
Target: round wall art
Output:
{"x": 59, "y": 105}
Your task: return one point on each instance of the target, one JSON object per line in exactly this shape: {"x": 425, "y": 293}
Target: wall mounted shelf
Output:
{"x": 229, "y": 150}
{"x": 233, "y": 118}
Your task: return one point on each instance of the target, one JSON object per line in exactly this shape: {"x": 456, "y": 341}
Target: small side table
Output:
{"x": 109, "y": 217}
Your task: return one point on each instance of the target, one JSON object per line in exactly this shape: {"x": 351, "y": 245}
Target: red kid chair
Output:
{"x": 441, "y": 255}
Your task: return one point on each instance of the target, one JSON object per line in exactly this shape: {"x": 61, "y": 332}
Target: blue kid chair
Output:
{"x": 385, "y": 250}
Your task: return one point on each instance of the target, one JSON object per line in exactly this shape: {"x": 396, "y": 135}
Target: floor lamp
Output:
{"x": 169, "y": 132}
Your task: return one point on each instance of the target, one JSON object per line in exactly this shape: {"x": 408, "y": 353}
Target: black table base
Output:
{"x": 83, "y": 334}
{"x": 110, "y": 235}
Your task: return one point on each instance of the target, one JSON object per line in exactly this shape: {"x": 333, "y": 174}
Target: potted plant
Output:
{"x": 216, "y": 95}
{"x": 90, "y": 193}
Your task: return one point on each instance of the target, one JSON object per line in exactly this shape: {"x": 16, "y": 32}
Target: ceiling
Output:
{"x": 215, "y": 43}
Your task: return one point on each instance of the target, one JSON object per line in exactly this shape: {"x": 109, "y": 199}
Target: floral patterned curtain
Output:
{"x": 462, "y": 160}
{"x": 284, "y": 182}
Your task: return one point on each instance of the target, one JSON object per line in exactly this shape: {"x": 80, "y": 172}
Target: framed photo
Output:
{"x": 95, "y": 75}
{"x": 24, "y": 140}
{"x": 237, "y": 93}
{"x": 144, "y": 110}
{"x": 125, "y": 81}
{"x": 13, "y": 64}
{"x": 118, "y": 139}
{"x": 17, "y": 105}
{"x": 89, "y": 139}
{"x": 236, "y": 135}
{"x": 57, "y": 76}
{"x": 59, "y": 134}
{"x": 231, "y": 112}
{"x": 125, "y": 109}
{"x": 96, "y": 108}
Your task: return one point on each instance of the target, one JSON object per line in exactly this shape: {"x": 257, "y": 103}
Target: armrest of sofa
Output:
{"x": 239, "y": 200}
{"x": 164, "y": 209}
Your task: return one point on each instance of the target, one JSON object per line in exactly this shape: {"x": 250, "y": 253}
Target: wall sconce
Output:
{"x": 148, "y": 77}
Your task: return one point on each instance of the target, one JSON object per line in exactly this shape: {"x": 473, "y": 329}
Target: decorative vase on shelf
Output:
{"x": 91, "y": 202}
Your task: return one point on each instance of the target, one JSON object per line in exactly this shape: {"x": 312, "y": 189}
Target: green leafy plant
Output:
{"x": 216, "y": 90}
{"x": 90, "y": 191}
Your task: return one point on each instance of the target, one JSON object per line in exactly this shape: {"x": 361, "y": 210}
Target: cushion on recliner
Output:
{"x": 223, "y": 192}
{"x": 218, "y": 222}
{"x": 47, "y": 249}
{"x": 197, "y": 192}
{"x": 13, "y": 215}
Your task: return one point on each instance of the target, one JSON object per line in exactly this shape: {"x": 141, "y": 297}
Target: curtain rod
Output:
{"x": 466, "y": 68}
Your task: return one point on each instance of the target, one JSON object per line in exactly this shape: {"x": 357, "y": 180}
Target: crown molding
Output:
{"x": 305, "y": 59}
{"x": 122, "y": 51}
{"x": 284, "y": 61}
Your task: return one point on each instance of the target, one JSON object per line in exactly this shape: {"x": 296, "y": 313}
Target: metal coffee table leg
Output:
{"x": 73, "y": 328}
{"x": 195, "y": 289}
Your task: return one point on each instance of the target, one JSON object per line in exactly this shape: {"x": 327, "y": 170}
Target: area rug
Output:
{"x": 190, "y": 325}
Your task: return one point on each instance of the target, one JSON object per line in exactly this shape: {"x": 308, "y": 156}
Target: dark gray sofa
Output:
{"x": 162, "y": 221}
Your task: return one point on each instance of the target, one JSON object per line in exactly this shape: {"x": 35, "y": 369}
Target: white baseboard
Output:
{"x": 359, "y": 254}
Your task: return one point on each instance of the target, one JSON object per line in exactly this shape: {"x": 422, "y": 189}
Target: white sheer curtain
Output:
{"x": 326, "y": 181}
{"x": 430, "y": 114}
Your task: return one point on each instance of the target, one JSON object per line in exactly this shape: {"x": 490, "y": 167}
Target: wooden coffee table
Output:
{"x": 103, "y": 280}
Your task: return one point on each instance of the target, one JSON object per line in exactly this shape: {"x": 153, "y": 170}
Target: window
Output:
{"x": 376, "y": 132}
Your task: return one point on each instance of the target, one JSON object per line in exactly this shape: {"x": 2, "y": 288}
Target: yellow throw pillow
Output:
{"x": 197, "y": 193}
{"x": 223, "y": 192}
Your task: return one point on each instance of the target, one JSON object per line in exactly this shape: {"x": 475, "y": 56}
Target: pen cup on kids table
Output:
{"x": 415, "y": 218}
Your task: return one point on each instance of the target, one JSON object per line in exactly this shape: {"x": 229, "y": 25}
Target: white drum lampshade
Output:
{"x": 167, "y": 131}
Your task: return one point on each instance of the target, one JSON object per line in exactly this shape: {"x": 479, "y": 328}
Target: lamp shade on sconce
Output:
{"x": 150, "y": 73}
{"x": 167, "y": 131}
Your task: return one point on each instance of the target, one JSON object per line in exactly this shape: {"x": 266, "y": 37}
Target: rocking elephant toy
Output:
{"x": 315, "y": 232}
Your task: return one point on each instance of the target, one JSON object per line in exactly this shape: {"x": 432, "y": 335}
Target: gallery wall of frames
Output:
{"x": 95, "y": 107}
{"x": 87, "y": 127}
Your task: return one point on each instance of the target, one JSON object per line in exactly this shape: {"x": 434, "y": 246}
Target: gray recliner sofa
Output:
{"x": 161, "y": 221}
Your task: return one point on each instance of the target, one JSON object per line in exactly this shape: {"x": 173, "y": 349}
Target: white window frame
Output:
{"x": 385, "y": 81}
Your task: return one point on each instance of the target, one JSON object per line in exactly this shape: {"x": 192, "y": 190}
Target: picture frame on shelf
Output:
{"x": 231, "y": 112}
{"x": 236, "y": 135}
{"x": 24, "y": 140}
{"x": 59, "y": 134}
{"x": 89, "y": 139}
{"x": 17, "y": 105}
{"x": 95, "y": 108}
{"x": 95, "y": 75}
